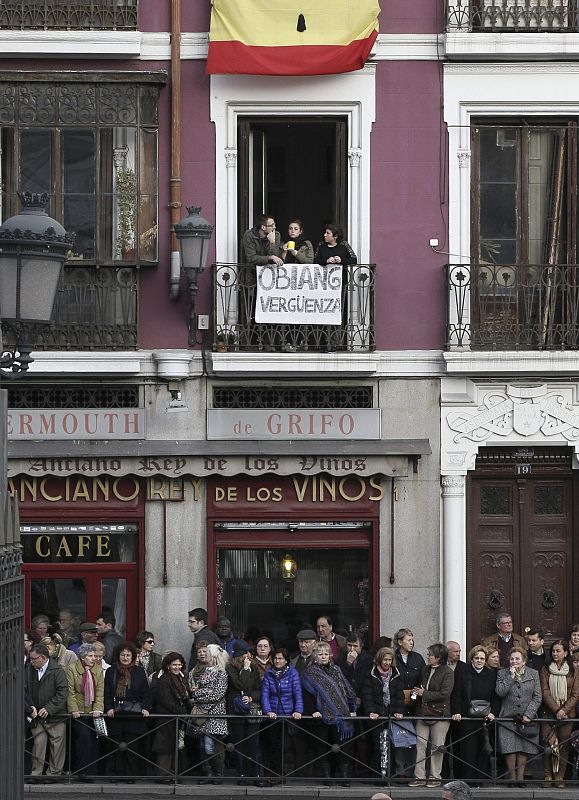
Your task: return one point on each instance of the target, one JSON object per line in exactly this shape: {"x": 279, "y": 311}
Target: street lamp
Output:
{"x": 33, "y": 249}
{"x": 193, "y": 234}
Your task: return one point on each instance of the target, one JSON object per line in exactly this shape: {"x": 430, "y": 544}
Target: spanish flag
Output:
{"x": 291, "y": 37}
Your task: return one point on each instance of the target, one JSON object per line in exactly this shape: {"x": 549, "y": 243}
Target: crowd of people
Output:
{"x": 349, "y": 709}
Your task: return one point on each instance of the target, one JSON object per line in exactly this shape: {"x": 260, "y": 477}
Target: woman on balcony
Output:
{"x": 297, "y": 250}
{"x": 335, "y": 250}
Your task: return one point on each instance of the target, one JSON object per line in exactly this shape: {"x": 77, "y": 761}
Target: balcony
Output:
{"x": 506, "y": 307}
{"x": 96, "y": 309}
{"x": 235, "y": 329}
{"x": 65, "y": 15}
{"x": 492, "y": 16}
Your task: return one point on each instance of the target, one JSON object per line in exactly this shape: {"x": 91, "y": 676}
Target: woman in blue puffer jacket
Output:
{"x": 281, "y": 696}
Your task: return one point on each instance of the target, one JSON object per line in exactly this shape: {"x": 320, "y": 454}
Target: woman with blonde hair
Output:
{"x": 520, "y": 690}
{"x": 208, "y": 684}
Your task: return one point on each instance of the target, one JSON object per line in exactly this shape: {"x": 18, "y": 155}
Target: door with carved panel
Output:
{"x": 520, "y": 550}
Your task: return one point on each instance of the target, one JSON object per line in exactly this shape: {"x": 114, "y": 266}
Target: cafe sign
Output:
{"x": 287, "y": 424}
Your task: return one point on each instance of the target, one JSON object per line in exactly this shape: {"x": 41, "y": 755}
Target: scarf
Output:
{"x": 558, "y": 682}
{"x": 143, "y": 659}
{"x": 385, "y": 675}
{"x": 332, "y": 693}
{"x": 519, "y": 674}
{"x": 123, "y": 678}
{"x": 279, "y": 673}
{"x": 87, "y": 687}
{"x": 197, "y": 672}
{"x": 179, "y": 687}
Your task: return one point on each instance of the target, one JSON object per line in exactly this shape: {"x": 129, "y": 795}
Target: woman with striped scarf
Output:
{"x": 331, "y": 701}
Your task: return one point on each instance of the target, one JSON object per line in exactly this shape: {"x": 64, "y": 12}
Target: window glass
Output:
{"x": 36, "y": 160}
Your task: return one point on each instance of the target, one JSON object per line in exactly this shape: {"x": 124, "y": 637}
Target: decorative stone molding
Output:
{"x": 463, "y": 159}
{"x": 354, "y": 157}
{"x": 231, "y": 158}
{"x": 509, "y": 414}
{"x": 453, "y": 485}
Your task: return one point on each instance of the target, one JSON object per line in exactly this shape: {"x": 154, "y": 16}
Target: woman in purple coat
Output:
{"x": 281, "y": 696}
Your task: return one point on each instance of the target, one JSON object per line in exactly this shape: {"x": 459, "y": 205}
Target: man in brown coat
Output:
{"x": 504, "y": 639}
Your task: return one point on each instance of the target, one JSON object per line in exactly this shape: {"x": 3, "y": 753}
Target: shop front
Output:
{"x": 282, "y": 550}
{"x": 82, "y": 544}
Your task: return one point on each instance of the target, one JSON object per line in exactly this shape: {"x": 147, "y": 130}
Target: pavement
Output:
{"x": 152, "y": 791}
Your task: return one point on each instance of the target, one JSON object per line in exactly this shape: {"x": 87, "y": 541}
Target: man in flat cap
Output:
{"x": 306, "y": 641}
{"x": 88, "y": 634}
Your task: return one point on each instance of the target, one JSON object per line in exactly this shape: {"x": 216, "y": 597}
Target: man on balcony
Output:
{"x": 262, "y": 243}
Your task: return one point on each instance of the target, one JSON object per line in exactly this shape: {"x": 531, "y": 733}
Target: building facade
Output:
{"x": 166, "y": 458}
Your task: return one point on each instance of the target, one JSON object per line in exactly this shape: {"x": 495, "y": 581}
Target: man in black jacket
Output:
{"x": 537, "y": 657}
{"x": 201, "y": 633}
{"x": 47, "y": 689}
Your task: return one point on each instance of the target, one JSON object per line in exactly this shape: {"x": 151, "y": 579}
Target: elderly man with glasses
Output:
{"x": 47, "y": 689}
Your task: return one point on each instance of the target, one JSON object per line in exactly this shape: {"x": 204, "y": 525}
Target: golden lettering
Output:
{"x": 81, "y": 490}
{"x": 83, "y": 544}
{"x": 125, "y": 498}
{"x": 301, "y": 491}
{"x": 376, "y": 484}
{"x": 175, "y": 488}
{"x": 38, "y": 546}
{"x": 360, "y": 494}
{"x": 330, "y": 485}
{"x": 103, "y": 485}
{"x": 44, "y": 493}
{"x": 156, "y": 488}
{"x": 196, "y": 484}
{"x": 103, "y": 546}
{"x": 219, "y": 494}
{"x": 63, "y": 546}
{"x": 277, "y": 494}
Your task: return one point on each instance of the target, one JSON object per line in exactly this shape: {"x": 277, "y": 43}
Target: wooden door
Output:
{"x": 520, "y": 548}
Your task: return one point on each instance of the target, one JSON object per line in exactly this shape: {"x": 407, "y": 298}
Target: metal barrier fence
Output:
{"x": 260, "y": 751}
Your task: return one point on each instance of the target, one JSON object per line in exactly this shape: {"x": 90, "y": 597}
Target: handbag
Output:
{"x": 528, "y": 730}
{"x": 479, "y": 708}
{"x": 128, "y": 707}
{"x": 402, "y": 733}
{"x": 196, "y": 715}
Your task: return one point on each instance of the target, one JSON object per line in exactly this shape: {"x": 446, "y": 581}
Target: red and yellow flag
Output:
{"x": 291, "y": 37}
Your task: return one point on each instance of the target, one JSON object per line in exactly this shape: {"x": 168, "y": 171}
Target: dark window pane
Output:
{"x": 495, "y": 500}
{"x": 549, "y": 500}
{"x": 78, "y": 161}
{"x": 36, "y": 161}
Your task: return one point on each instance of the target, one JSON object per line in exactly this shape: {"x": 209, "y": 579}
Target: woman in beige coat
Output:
{"x": 560, "y": 688}
{"x": 85, "y": 697}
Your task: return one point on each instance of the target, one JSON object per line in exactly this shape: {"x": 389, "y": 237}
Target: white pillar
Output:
{"x": 454, "y": 559}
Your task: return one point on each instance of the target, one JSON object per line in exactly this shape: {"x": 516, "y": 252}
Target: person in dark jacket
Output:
{"x": 281, "y": 696}
{"x": 172, "y": 696}
{"x": 147, "y": 658}
{"x": 201, "y": 633}
{"x": 355, "y": 664}
{"x": 477, "y": 682}
{"x": 47, "y": 689}
{"x": 382, "y": 696}
{"x": 127, "y": 705}
{"x": 244, "y": 690}
{"x": 330, "y": 700}
{"x": 262, "y": 243}
{"x": 410, "y": 665}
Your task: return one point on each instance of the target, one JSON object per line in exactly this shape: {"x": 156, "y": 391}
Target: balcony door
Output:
{"x": 293, "y": 167}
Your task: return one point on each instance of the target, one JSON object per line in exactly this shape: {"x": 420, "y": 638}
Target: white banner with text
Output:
{"x": 299, "y": 294}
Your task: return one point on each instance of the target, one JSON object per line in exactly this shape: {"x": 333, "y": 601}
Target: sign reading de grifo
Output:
{"x": 299, "y": 294}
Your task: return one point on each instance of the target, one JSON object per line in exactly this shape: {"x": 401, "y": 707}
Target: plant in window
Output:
{"x": 126, "y": 186}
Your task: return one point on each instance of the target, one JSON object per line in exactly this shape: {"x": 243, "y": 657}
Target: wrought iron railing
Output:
{"x": 235, "y": 329}
{"x": 285, "y": 751}
{"x": 511, "y": 15}
{"x": 507, "y": 307}
{"x": 69, "y": 14}
{"x": 96, "y": 309}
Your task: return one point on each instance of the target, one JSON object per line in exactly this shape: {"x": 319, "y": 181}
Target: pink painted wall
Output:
{"x": 407, "y": 186}
{"x": 411, "y": 16}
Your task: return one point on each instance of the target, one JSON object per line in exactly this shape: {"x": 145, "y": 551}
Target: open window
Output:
{"x": 524, "y": 234}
